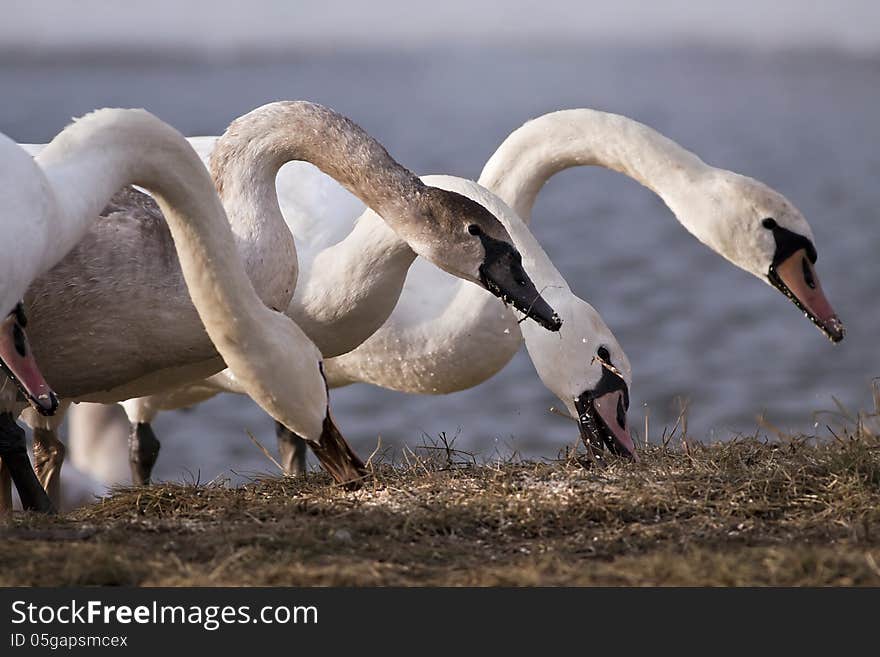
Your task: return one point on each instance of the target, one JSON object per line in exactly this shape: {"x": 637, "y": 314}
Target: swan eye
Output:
{"x": 473, "y": 229}
{"x": 769, "y": 223}
{"x": 603, "y": 354}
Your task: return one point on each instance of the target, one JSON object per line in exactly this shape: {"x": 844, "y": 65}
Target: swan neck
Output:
{"x": 82, "y": 179}
{"x": 532, "y": 154}
{"x": 352, "y": 287}
{"x": 247, "y": 158}
{"x": 373, "y": 248}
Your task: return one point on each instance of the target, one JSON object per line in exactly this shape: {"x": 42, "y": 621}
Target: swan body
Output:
{"x": 71, "y": 180}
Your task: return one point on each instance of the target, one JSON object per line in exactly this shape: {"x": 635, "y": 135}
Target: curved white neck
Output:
{"x": 262, "y": 237}
{"x": 352, "y": 286}
{"x": 532, "y": 154}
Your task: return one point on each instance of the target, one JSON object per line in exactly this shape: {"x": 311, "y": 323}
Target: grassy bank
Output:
{"x": 745, "y": 512}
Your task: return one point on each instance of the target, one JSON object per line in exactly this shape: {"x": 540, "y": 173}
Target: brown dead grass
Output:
{"x": 746, "y": 512}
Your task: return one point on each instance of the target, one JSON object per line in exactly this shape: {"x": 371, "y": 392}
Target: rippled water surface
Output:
{"x": 694, "y": 326}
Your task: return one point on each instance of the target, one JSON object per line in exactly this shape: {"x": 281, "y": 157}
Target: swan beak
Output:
{"x": 338, "y": 458}
{"x": 503, "y": 275}
{"x": 18, "y": 363}
{"x": 796, "y": 278}
{"x": 602, "y": 423}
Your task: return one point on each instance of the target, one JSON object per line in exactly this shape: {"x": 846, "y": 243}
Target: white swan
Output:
{"x": 739, "y": 218}
{"x": 139, "y": 353}
{"x": 463, "y": 337}
{"x": 61, "y": 192}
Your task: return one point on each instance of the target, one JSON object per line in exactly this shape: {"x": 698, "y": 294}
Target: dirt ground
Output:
{"x": 745, "y": 512}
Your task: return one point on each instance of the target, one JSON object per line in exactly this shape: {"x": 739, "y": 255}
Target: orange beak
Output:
{"x": 17, "y": 361}
{"x": 796, "y": 278}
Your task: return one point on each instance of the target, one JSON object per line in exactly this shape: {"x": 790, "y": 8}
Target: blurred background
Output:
{"x": 786, "y": 92}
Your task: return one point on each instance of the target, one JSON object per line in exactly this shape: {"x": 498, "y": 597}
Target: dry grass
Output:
{"x": 746, "y": 512}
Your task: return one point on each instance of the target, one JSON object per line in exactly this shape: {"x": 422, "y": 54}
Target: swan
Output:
{"x": 61, "y": 191}
{"x": 139, "y": 353}
{"x": 463, "y": 337}
{"x": 741, "y": 219}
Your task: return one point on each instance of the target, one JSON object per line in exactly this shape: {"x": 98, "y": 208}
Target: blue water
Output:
{"x": 694, "y": 327}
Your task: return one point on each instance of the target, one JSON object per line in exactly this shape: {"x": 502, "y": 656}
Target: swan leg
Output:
{"x": 292, "y": 449}
{"x": 13, "y": 451}
{"x": 143, "y": 450}
{"x": 5, "y": 490}
{"x": 49, "y": 455}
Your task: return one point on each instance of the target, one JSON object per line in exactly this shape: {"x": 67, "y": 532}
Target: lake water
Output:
{"x": 694, "y": 326}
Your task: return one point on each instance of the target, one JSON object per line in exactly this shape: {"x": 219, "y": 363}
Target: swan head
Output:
{"x": 585, "y": 366}
{"x": 760, "y": 231}
{"x": 331, "y": 448}
{"x": 337, "y": 458}
{"x": 466, "y": 240}
{"x": 18, "y": 363}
